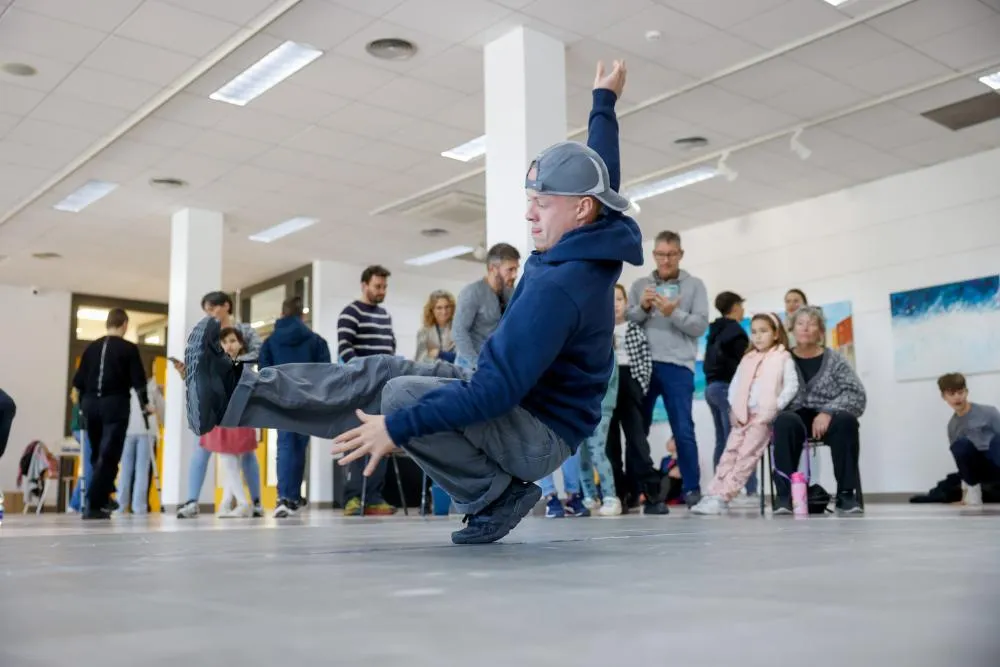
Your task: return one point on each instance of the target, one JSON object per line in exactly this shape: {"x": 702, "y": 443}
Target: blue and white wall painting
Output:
{"x": 947, "y": 328}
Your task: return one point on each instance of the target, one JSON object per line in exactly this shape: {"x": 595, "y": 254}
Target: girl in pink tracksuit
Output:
{"x": 766, "y": 381}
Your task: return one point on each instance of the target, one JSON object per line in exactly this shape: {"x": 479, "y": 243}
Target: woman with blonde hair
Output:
{"x": 434, "y": 339}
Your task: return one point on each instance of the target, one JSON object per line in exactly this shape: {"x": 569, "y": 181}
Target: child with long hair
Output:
{"x": 231, "y": 444}
{"x": 766, "y": 381}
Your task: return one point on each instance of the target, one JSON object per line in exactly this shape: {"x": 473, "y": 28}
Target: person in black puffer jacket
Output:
{"x": 727, "y": 341}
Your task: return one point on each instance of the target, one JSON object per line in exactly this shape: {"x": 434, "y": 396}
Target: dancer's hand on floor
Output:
{"x": 369, "y": 439}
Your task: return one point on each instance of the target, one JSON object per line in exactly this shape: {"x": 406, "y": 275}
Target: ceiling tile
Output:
{"x": 715, "y": 211}
{"x": 260, "y": 125}
{"x": 16, "y": 100}
{"x": 102, "y": 88}
{"x": 788, "y": 22}
{"x": 135, "y": 60}
{"x": 516, "y": 20}
{"x": 875, "y": 166}
{"x": 319, "y": 24}
{"x": 44, "y": 36}
{"x": 815, "y": 182}
{"x": 49, "y": 72}
{"x": 162, "y": 132}
{"x": 645, "y": 79}
{"x": 939, "y": 150}
{"x": 299, "y": 102}
{"x": 7, "y": 122}
{"x": 628, "y": 34}
{"x": 459, "y": 68}
{"x": 844, "y": 50}
{"x": 105, "y": 15}
{"x": 428, "y": 136}
{"x": 653, "y": 128}
{"x": 18, "y": 183}
{"x": 193, "y": 168}
{"x": 50, "y": 158}
{"x": 768, "y": 79}
{"x": 770, "y": 164}
{"x": 240, "y": 12}
{"x": 985, "y": 134}
{"x": 896, "y": 72}
{"x": 135, "y": 153}
{"x": 966, "y": 47}
{"x": 176, "y": 29}
{"x": 942, "y": 95}
{"x": 451, "y": 20}
{"x": 722, "y": 14}
{"x": 417, "y": 98}
{"x": 327, "y": 142}
{"x": 713, "y": 54}
{"x": 342, "y": 76}
{"x": 389, "y": 156}
{"x": 196, "y": 110}
{"x": 887, "y": 127}
{"x": 594, "y": 21}
{"x": 374, "y": 8}
{"x": 368, "y": 121}
{"x": 73, "y": 112}
{"x": 819, "y": 97}
{"x": 638, "y": 160}
{"x": 924, "y": 19}
{"x": 250, "y": 179}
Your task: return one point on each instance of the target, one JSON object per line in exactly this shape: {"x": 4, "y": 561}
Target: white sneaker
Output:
{"x": 710, "y": 505}
{"x": 591, "y": 503}
{"x": 188, "y": 510}
{"x": 973, "y": 495}
{"x": 238, "y": 512}
{"x": 611, "y": 507}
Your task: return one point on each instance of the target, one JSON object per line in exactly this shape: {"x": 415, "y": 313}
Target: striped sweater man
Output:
{"x": 364, "y": 330}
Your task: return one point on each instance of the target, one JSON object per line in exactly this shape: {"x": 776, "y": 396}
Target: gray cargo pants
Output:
{"x": 474, "y": 465}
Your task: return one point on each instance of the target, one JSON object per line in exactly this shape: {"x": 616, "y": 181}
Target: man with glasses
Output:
{"x": 672, "y": 306}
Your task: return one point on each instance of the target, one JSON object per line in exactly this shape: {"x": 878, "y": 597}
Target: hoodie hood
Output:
{"x": 612, "y": 237}
{"x": 290, "y": 332}
{"x": 724, "y": 329}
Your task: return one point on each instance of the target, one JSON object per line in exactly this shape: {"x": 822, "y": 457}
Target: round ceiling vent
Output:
{"x": 167, "y": 183}
{"x": 391, "y": 48}
{"x": 691, "y": 143}
{"x": 18, "y": 69}
{"x": 46, "y": 255}
{"x": 434, "y": 232}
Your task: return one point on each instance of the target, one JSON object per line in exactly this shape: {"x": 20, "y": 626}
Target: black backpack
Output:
{"x": 818, "y": 500}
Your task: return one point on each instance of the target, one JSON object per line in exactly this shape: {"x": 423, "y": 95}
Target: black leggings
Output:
{"x": 638, "y": 475}
{"x": 793, "y": 428}
{"x": 7, "y": 411}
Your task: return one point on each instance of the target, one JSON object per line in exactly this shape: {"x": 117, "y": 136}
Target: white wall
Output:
{"x": 932, "y": 226}
{"x": 34, "y": 344}
{"x": 334, "y": 286}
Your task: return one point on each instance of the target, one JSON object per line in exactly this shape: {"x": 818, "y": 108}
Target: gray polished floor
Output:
{"x": 906, "y": 586}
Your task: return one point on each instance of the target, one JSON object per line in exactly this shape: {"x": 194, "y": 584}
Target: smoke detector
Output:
{"x": 391, "y": 48}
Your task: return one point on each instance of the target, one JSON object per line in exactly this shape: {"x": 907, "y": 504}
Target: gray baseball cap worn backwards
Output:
{"x": 572, "y": 169}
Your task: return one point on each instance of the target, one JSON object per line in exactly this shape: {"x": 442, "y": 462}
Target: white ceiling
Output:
{"x": 350, "y": 133}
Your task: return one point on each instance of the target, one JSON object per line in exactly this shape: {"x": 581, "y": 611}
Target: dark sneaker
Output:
{"x": 285, "y": 508}
{"x": 848, "y": 505}
{"x": 257, "y": 510}
{"x": 210, "y": 377}
{"x": 188, "y": 510}
{"x": 575, "y": 506}
{"x": 692, "y": 498}
{"x": 782, "y": 506}
{"x": 554, "y": 508}
{"x": 95, "y": 515}
{"x": 655, "y": 508}
{"x": 500, "y": 517}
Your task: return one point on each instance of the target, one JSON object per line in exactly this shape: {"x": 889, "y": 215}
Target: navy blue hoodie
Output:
{"x": 552, "y": 351}
{"x": 293, "y": 343}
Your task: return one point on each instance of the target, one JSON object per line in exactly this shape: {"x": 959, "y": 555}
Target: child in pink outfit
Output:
{"x": 766, "y": 381}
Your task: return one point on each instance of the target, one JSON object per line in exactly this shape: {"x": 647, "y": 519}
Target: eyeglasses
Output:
{"x": 673, "y": 254}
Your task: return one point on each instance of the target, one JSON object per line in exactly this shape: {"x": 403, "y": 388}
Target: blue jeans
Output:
{"x": 676, "y": 385}
{"x": 292, "y": 448}
{"x": 134, "y": 467}
{"x": 88, "y": 469}
{"x": 717, "y": 397}
{"x": 593, "y": 454}
{"x": 571, "y": 477}
{"x": 199, "y": 468}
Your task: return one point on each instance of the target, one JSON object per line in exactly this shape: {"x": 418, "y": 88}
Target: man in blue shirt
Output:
{"x": 484, "y": 436}
{"x": 292, "y": 342}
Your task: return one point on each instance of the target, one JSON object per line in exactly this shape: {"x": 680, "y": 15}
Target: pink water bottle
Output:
{"x": 800, "y": 495}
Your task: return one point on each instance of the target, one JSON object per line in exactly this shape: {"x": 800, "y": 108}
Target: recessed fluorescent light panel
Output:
{"x": 86, "y": 195}
{"x": 836, "y": 3}
{"x": 440, "y": 255}
{"x": 266, "y": 73}
{"x": 283, "y": 229}
{"x": 991, "y": 80}
{"x": 468, "y": 151}
{"x": 675, "y": 182}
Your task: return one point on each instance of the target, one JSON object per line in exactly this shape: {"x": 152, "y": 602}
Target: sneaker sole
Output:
{"x": 200, "y": 383}
{"x": 522, "y": 508}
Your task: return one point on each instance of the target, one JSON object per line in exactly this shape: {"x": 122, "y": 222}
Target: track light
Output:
{"x": 798, "y": 147}
{"x": 725, "y": 170}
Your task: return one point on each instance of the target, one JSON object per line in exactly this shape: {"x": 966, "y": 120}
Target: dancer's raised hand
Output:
{"x": 614, "y": 80}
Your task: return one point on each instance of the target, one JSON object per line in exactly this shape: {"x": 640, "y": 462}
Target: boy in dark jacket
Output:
{"x": 727, "y": 341}
{"x": 292, "y": 342}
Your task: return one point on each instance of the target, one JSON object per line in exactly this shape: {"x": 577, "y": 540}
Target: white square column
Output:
{"x": 195, "y": 270}
{"x": 525, "y": 91}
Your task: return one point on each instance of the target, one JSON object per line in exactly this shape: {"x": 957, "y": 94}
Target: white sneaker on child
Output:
{"x": 973, "y": 495}
{"x": 611, "y": 507}
{"x": 711, "y": 505}
{"x": 238, "y": 512}
{"x": 591, "y": 503}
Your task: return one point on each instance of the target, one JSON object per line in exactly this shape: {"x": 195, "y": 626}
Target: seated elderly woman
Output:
{"x": 830, "y": 400}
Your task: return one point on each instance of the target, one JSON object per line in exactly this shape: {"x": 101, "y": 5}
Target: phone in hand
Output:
{"x": 669, "y": 291}
{"x": 174, "y": 360}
